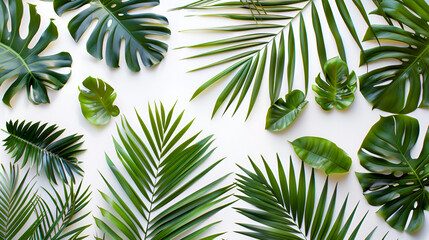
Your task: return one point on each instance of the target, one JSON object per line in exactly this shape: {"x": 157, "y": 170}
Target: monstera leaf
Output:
{"x": 404, "y": 86}
{"x": 34, "y": 72}
{"x": 284, "y": 112}
{"x": 119, "y": 20}
{"x": 338, "y": 88}
{"x": 398, "y": 182}
{"x": 150, "y": 197}
{"x": 285, "y": 206}
{"x": 97, "y": 100}
{"x": 38, "y": 145}
{"x": 322, "y": 154}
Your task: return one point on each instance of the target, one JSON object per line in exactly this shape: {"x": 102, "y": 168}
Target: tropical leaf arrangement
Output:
{"x": 164, "y": 182}
{"x": 96, "y": 101}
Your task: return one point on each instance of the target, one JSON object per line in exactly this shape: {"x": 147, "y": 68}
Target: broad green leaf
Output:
{"x": 118, "y": 20}
{"x": 34, "y": 71}
{"x": 338, "y": 88}
{"x": 96, "y": 101}
{"x": 278, "y": 206}
{"x": 156, "y": 167}
{"x": 397, "y": 181}
{"x": 402, "y": 86}
{"x": 283, "y": 112}
{"x": 37, "y": 145}
{"x": 322, "y": 154}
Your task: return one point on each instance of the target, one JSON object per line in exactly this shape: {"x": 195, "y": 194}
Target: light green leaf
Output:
{"x": 338, "y": 88}
{"x": 96, "y": 101}
{"x": 322, "y": 154}
{"x": 283, "y": 112}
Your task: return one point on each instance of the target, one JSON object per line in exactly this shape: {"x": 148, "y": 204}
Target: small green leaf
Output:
{"x": 322, "y": 154}
{"x": 283, "y": 112}
{"x": 338, "y": 89}
{"x": 97, "y": 100}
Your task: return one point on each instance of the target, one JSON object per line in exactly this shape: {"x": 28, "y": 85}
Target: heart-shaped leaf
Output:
{"x": 338, "y": 88}
{"x": 119, "y": 21}
{"x": 97, "y": 100}
{"x": 322, "y": 154}
{"x": 283, "y": 112}
{"x": 398, "y": 181}
{"x": 35, "y": 72}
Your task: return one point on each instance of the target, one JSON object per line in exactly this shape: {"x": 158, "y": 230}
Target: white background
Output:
{"x": 235, "y": 138}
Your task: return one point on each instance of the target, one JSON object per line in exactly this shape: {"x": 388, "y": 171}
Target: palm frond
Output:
{"x": 18, "y": 201}
{"x": 246, "y": 49}
{"x": 63, "y": 216}
{"x": 159, "y": 166}
{"x": 38, "y": 145}
{"x": 289, "y": 209}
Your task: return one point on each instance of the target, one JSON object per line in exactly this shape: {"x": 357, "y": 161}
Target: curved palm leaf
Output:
{"x": 35, "y": 72}
{"x": 322, "y": 154}
{"x": 117, "y": 22}
{"x": 386, "y": 87}
{"x": 246, "y": 49}
{"x": 152, "y": 202}
{"x": 37, "y": 145}
{"x": 96, "y": 101}
{"x": 289, "y": 209}
{"x": 63, "y": 220}
{"x": 17, "y": 203}
{"x": 397, "y": 181}
{"x": 338, "y": 88}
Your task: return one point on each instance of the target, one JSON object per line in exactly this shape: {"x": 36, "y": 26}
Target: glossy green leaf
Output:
{"x": 96, "y": 101}
{"x": 397, "y": 181}
{"x": 402, "y": 86}
{"x": 32, "y": 70}
{"x": 156, "y": 168}
{"x": 322, "y": 154}
{"x": 283, "y": 112}
{"x": 279, "y": 206}
{"x": 338, "y": 88}
{"x": 118, "y": 20}
{"x": 37, "y": 145}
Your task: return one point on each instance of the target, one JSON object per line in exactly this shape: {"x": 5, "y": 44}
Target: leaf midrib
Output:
{"x": 18, "y": 56}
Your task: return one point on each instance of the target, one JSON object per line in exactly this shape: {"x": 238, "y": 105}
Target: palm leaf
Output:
{"x": 96, "y": 101}
{"x": 160, "y": 165}
{"x": 246, "y": 42}
{"x": 17, "y": 204}
{"x": 338, "y": 88}
{"x": 397, "y": 181}
{"x": 63, "y": 216}
{"x": 117, "y": 22}
{"x": 36, "y": 73}
{"x": 38, "y": 145}
{"x": 289, "y": 209}
{"x": 404, "y": 86}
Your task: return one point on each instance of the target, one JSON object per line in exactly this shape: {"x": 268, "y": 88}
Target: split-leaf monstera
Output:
{"x": 34, "y": 72}
{"x": 96, "y": 101}
{"x": 118, "y": 20}
{"x": 401, "y": 87}
{"x": 338, "y": 88}
{"x": 398, "y": 181}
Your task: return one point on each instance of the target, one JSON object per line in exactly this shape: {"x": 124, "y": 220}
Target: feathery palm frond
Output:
{"x": 249, "y": 49}
{"x": 288, "y": 209}
{"x": 17, "y": 204}
{"x": 401, "y": 87}
{"x": 37, "y": 145}
{"x": 152, "y": 202}
{"x": 63, "y": 220}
